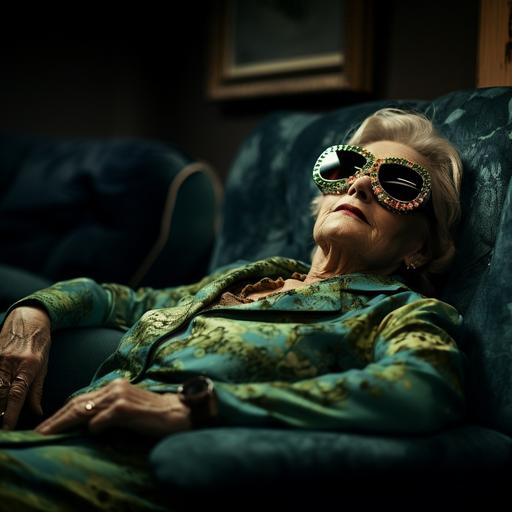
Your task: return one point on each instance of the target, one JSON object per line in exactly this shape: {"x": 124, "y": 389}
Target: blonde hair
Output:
{"x": 417, "y": 131}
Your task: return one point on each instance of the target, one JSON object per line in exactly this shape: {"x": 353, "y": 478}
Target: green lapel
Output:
{"x": 327, "y": 295}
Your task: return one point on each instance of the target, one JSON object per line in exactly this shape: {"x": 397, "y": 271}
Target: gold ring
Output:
{"x": 89, "y": 405}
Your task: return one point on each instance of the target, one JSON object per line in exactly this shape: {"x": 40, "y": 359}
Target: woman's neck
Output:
{"x": 328, "y": 263}
{"x": 325, "y": 264}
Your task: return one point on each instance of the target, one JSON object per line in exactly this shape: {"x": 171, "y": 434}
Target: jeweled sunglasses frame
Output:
{"x": 371, "y": 168}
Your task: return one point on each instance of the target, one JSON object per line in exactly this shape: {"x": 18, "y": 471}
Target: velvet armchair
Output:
{"x": 119, "y": 210}
{"x": 266, "y": 213}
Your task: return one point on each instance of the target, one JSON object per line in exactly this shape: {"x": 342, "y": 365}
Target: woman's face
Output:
{"x": 381, "y": 240}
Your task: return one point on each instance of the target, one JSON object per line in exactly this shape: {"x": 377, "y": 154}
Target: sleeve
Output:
{"x": 83, "y": 302}
{"x": 415, "y": 383}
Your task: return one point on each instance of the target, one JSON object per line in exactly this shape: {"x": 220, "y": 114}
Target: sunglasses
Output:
{"x": 398, "y": 184}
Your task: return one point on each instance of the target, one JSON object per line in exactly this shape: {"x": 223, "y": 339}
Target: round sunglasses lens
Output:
{"x": 400, "y": 182}
{"x": 339, "y": 165}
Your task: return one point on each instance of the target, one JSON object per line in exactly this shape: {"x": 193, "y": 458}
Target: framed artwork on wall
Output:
{"x": 276, "y": 47}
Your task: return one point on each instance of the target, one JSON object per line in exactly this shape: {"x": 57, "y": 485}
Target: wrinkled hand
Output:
{"x": 121, "y": 404}
{"x": 24, "y": 348}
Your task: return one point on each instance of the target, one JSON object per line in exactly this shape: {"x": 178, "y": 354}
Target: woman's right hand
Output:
{"x": 24, "y": 349}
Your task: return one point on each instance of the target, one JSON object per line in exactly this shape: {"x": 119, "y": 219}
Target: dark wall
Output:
{"x": 152, "y": 82}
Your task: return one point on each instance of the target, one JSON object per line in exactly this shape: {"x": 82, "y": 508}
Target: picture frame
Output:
{"x": 269, "y": 49}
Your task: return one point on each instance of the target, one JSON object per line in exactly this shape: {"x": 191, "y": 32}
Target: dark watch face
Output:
{"x": 196, "y": 387}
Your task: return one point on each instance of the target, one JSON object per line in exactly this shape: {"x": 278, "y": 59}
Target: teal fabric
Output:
{"x": 74, "y": 472}
{"x": 223, "y": 462}
{"x": 330, "y": 355}
{"x": 479, "y": 123}
{"x": 488, "y": 339}
{"x": 260, "y": 179}
{"x": 93, "y": 207}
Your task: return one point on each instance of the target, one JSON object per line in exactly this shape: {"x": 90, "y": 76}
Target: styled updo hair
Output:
{"x": 417, "y": 131}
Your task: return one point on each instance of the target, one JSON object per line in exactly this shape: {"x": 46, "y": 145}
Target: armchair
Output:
{"x": 112, "y": 209}
{"x": 266, "y": 213}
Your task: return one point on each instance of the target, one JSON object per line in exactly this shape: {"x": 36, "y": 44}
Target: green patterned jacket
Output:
{"x": 354, "y": 352}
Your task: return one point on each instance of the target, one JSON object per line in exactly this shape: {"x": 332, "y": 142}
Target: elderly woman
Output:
{"x": 343, "y": 343}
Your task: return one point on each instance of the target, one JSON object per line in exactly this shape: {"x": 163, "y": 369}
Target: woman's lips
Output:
{"x": 353, "y": 211}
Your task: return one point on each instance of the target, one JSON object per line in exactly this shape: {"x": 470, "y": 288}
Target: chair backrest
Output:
{"x": 269, "y": 189}
{"x": 100, "y": 208}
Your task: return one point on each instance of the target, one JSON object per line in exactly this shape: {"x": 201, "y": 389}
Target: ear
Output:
{"x": 419, "y": 257}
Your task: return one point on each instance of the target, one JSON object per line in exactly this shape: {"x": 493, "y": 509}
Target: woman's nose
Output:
{"x": 361, "y": 188}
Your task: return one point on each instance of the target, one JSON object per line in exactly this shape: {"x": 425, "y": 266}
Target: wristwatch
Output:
{"x": 198, "y": 393}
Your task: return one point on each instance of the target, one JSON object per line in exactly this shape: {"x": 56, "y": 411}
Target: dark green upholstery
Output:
{"x": 74, "y": 357}
{"x": 266, "y": 213}
{"x": 298, "y": 467}
{"x": 488, "y": 339}
{"x": 96, "y": 208}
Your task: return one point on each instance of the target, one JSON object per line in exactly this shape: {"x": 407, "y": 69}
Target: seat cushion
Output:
{"x": 223, "y": 460}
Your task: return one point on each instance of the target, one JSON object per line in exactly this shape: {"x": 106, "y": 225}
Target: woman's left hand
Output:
{"x": 121, "y": 404}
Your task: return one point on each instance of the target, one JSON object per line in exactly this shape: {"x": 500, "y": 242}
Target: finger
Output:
{"x": 36, "y": 393}
{"x": 5, "y": 386}
{"x": 97, "y": 396}
{"x": 73, "y": 413}
{"x": 73, "y": 416}
{"x": 66, "y": 417}
{"x": 16, "y": 399}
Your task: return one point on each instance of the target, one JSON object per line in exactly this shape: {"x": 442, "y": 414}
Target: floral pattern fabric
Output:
{"x": 354, "y": 352}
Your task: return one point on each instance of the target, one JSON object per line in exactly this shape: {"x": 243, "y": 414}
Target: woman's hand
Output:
{"x": 24, "y": 348}
{"x": 121, "y": 404}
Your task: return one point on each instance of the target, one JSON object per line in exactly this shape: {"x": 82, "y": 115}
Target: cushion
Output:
{"x": 298, "y": 464}
{"x": 16, "y": 283}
